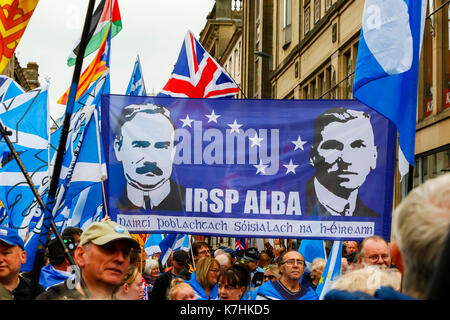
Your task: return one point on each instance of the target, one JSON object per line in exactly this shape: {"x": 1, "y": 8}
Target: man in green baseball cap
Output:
{"x": 102, "y": 259}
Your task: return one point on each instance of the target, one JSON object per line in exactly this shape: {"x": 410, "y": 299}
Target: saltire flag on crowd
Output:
{"x": 9, "y": 88}
{"x": 79, "y": 197}
{"x": 197, "y": 75}
{"x": 26, "y": 117}
{"x": 151, "y": 245}
{"x": 312, "y": 249}
{"x": 95, "y": 69}
{"x": 22, "y": 210}
{"x": 136, "y": 86}
{"x": 14, "y": 18}
{"x": 331, "y": 271}
{"x": 171, "y": 242}
{"x": 388, "y": 62}
{"x": 103, "y": 15}
{"x": 241, "y": 244}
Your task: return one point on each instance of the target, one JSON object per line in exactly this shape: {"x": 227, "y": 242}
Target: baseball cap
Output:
{"x": 251, "y": 255}
{"x": 11, "y": 237}
{"x": 55, "y": 250}
{"x": 181, "y": 257}
{"x": 101, "y": 233}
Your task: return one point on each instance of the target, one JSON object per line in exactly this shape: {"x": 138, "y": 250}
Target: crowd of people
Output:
{"x": 110, "y": 264}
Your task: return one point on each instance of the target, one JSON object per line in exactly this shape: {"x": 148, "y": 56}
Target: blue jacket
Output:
{"x": 199, "y": 292}
{"x": 383, "y": 293}
{"x": 274, "y": 290}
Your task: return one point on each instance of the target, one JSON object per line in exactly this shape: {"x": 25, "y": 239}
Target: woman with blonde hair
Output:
{"x": 131, "y": 288}
{"x": 204, "y": 279}
{"x": 180, "y": 290}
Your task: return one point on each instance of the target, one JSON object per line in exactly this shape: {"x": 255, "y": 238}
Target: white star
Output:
{"x": 187, "y": 121}
{"x": 234, "y": 127}
{"x": 299, "y": 143}
{"x": 290, "y": 167}
{"x": 261, "y": 167}
{"x": 212, "y": 117}
{"x": 256, "y": 141}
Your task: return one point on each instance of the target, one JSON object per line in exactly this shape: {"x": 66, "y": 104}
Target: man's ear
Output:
{"x": 396, "y": 257}
{"x": 23, "y": 257}
{"x": 79, "y": 256}
{"x": 117, "y": 147}
{"x": 373, "y": 160}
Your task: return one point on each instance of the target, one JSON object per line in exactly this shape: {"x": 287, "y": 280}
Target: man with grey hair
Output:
{"x": 420, "y": 227}
{"x": 343, "y": 154}
{"x": 145, "y": 145}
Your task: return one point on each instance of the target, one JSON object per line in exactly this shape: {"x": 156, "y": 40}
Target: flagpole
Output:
{"x": 38, "y": 263}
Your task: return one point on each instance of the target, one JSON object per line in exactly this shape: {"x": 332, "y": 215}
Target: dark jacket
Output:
{"x": 314, "y": 208}
{"x": 24, "y": 290}
{"x": 162, "y": 284}
{"x": 173, "y": 202}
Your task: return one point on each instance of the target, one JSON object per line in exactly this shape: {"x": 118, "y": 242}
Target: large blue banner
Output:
{"x": 248, "y": 168}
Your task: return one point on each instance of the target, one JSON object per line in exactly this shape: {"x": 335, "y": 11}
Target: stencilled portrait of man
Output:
{"x": 343, "y": 154}
{"x": 145, "y": 145}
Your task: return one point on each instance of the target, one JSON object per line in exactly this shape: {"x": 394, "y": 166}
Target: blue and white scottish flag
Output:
{"x": 151, "y": 245}
{"x": 312, "y": 249}
{"x": 136, "y": 86}
{"x": 248, "y": 168}
{"x": 26, "y": 117}
{"x": 387, "y": 66}
{"x": 331, "y": 271}
{"x": 9, "y": 88}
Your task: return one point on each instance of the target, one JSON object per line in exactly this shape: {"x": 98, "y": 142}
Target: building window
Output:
{"x": 331, "y": 81}
{"x": 348, "y": 67}
{"x": 316, "y": 10}
{"x": 287, "y": 23}
{"x": 446, "y": 48}
{"x": 313, "y": 89}
{"x": 306, "y": 92}
{"x": 321, "y": 85}
{"x": 307, "y": 18}
{"x": 327, "y": 4}
{"x": 431, "y": 165}
{"x": 427, "y": 51}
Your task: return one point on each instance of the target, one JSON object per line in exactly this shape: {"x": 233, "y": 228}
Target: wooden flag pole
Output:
{"x": 39, "y": 259}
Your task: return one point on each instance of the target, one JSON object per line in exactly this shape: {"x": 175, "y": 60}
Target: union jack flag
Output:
{"x": 197, "y": 75}
{"x": 241, "y": 244}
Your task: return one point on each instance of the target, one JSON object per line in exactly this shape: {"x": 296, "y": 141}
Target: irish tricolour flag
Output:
{"x": 106, "y": 11}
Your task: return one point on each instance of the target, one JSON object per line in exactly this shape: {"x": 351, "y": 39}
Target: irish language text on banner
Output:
{"x": 248, "y": 168}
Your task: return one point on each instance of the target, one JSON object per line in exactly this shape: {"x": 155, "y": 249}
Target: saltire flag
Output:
{"x": 151, "y": 245}
{"x": 103, "y": 15}
{"x": 311, "y": 249}
{"x": 72, "y": 208}
{"x": 22, "y": 210}
{"x": 136, "y": 86}
{"x": 94, "y": 71}
{"x": 197, "y": 75}
{"x": 26, "y": 116}
{"x": 9, "y": 88}
{"x": 331, "y": 271}
{"x": 173, "y": 242}
{"x": 388, "y": 62}
{"x": 79, "y": 198}
{"x": 14, "y": 18}
{"x": 241, "y": 244}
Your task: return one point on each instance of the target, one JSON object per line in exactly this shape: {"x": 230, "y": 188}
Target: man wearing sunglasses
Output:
{"x": 288, "y": 287}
